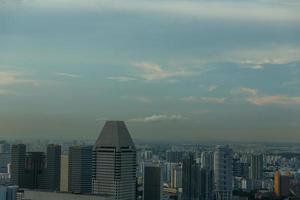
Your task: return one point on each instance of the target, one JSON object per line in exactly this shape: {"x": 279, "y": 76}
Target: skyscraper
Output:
{"x": 53, "y": 167}
{"x": 18, "y": 155}
{"x": 256, "y": 170}
{"x": 281, "y": 184}
{"x": 34, "y": 170}
{"x": 191, "y": 178}
{"x": 176, "y": 176}
{"x": 114, "y": 162}
{"x": 223, "y": 158}
{"x": 207, "y": 160}
{"x": 80, "y": 169}
{"x": 64, "y": 173}
{"x": 152, "y": 182}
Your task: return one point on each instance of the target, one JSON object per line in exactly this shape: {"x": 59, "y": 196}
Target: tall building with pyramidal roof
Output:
{"x": 114, "y": 163}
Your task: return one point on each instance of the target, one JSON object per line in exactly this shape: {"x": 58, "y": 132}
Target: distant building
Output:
{"x": 207, "y": 160}
{"x": 223, "y": 158}
{"x": 256, "y": 171}
{"x": 4, "y": 161}
{"x": 64, "y": 173}
{"x": 34, "y": 170}
{"x": 53, "y": 167}
{"x": 152, "y": 183}
{"x": 176, "y": 177}
{"x": 34, "y": 176}
{"x": 191, "y": 178}
{"x": 114, "y": 163}
{"x": 281, "y": 184}
{"x": 18, "y": 155}
{"x": 174, "y": 156}
{"x": 80, "y": 169}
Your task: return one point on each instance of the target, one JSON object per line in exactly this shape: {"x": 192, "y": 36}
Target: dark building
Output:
{"x": 80, "y": 169}
{"x": 240, "y": 169}
{"x": 152, "y": 182}
{"x": 174, "y": 156}
{"x": 191, "y": 178}
{"x": 53, "y": 167}
{"x": 34, "y": 169}
{"x": 18, "y": 155}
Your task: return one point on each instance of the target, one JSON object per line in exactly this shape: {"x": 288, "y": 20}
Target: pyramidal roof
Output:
{"x": 114, "y": 134}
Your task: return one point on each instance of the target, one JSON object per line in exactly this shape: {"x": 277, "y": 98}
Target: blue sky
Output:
{"x": 174, "y": 70}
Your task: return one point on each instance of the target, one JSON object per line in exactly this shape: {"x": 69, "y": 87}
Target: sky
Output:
{"x": 174, "y": 70}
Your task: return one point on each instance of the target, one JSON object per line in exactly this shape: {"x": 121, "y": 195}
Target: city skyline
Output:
{"x": 173, "y": 70}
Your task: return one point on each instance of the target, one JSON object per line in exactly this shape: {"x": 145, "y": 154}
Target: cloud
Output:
{"x": 151, "y": 71}
{"x": 225, "y": 10}
{"x": 256, "y": 98}
{"x": 11, "y": 78}
{"x": 210, "y": 100}
{"x": 68, "y": 75}
{"x": 211, "y": 88}
{"x": 258, "y": 59}
{"x": 122, "y": 78}
{"x": 141, "y": 99}
{"x": 158, "y": 118}
{"x": 244, "y": 90}
{"x": 274, "y": 99}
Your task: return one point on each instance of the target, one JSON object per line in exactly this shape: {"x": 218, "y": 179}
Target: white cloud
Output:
{"x": 11, "y": 78}
{"x": 68, "y": 75}
{"x": 274, "y": 99}
{"x": 256, "y": 98}
{"x": 211, "y": 100}
{"x": 151, "y": 71}
{"x": 142, "y": 99}
{"x": 122, "y": 78}
{"x": 211, "y": 88}
{"x": 158, "y": 118}
{"x": 244, "y": 90}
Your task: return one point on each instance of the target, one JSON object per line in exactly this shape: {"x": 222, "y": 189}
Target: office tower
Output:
{"x": 18, "y": 154}
{"x": 4, "y": 147}
{"x": 206, "y": 184}
{"x": 114, "y": 162}
{"x": 4, "y": 161}
{"x": 53, "y": 167}
{"x": 34, "y": 168}
{"x": 176, "y": 176}
{"x": 281, "y": 184}
{"x": 174, "y": 156}
{"x": 223, "y": 177}
{"x": 207, "y": 160}
{"x": 80, "y": 169}
{"x": 240, "y": 169}
{"x": 191, "y": 178}
{"x": 64, "y": 173}
{"x": 152, "y": 183}
{"x": 256, "y": 170}
{"x": 167, "y": 171}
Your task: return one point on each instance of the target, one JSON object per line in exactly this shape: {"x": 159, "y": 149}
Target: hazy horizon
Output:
{"x": 173, "y": 70}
